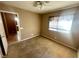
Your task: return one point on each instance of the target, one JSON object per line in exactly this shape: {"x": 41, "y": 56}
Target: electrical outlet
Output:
{"x": 32, "y": 34}
{"x": 54, "y": 37}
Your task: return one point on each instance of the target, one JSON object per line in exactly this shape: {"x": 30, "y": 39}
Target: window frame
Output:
{"x": 58, "y": 28}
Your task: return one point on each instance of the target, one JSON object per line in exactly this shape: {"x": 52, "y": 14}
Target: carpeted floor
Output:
{"x": 39, "y": 47}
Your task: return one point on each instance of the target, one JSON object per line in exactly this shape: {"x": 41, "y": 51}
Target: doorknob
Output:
{"x": 2, "y": 36}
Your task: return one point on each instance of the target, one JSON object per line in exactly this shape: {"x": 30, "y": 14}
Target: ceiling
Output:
{"x": 51, "y": 6}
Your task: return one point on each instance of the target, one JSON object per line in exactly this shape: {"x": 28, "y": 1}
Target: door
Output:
{"x": 3, "y": 36}
{"x": 10, "y": 25}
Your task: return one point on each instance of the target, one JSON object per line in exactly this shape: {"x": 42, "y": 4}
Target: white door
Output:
{"x": 3, "y": 36}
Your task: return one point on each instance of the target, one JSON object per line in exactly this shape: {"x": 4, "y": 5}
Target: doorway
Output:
{"x": 11, "y": 26}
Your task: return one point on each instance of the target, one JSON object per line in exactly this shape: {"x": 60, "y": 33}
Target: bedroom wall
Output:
{"x": 28, "y": 20}
{"x": 60, "y": 37}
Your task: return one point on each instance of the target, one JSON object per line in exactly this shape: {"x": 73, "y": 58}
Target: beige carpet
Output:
{"x": 39, "y": 47}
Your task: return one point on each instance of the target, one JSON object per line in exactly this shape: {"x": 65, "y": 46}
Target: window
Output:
{"x": 53, "y": 23}
{"x": 62, "y": 23}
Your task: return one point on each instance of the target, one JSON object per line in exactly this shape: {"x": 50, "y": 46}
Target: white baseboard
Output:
{"x": 59, "y": 42}
{"x": 29, "y": 37}
{"x": 23, "y": 39}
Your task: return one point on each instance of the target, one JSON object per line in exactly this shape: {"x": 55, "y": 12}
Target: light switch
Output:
{"x": 21, "y": 28}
